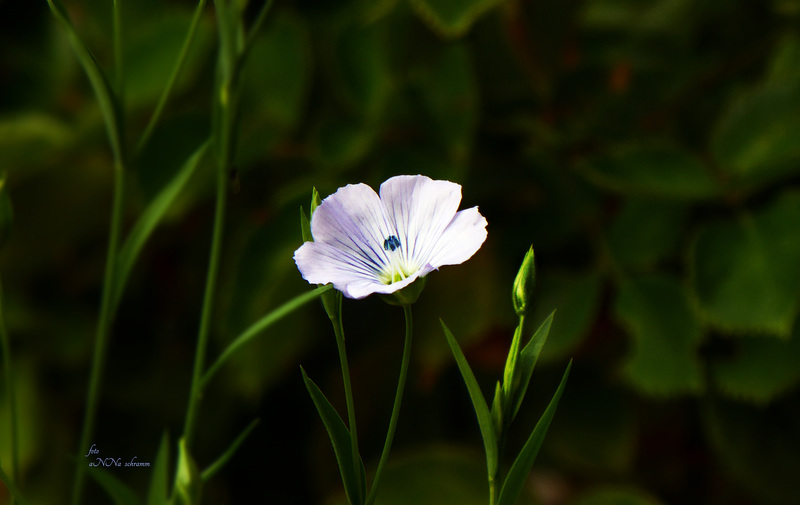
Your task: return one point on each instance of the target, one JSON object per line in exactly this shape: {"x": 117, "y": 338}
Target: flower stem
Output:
{"x": 118, "y": 52}
{"x": 107, "y": 309}
{"x": 12, "y": 403}
{"x": 401, "y": 382}
{"x": 338, "y": 330}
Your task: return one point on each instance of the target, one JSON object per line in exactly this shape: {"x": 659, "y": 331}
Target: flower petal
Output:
{"x": 461, "y": 239}
{"x": 353, "y": 221}
{"x": 420, "y": 209}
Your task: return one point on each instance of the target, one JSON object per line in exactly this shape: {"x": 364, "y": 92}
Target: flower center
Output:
{"x": 397, "y": 269}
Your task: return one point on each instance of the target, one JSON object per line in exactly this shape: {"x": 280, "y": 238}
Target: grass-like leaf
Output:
{"x": 159, "y": 481}
{"x": 109, "y": 104}
{"x": 340, "y": 438}
{"x": 485, "y": 420}
{"x": 262, "y": 324}
{"x": 12, "y": 488}
{"x": 150, "y": 218}
{"x": 187, "y": 479}
{"x": 119, "y": 492}
{"x": 220, "y": 462}
{"x": 522, "y": 465}
{"x": 527, "y": 361}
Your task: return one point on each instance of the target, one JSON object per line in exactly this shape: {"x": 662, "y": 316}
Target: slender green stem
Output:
{"x": 251, "y": 36}
{"x": 338, "y": 329}
{"x": 208, "y": 302}
{"x": 12, "y": 403}
{"x": 103, "y": 326}
{"x": 398, "y": 398}
{"x": 173, "y": 78}
{"x": 119, "y": 63}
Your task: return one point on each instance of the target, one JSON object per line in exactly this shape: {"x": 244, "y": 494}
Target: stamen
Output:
{"x": 391, "y": 243}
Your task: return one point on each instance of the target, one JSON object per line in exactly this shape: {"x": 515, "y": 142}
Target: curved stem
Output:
{"x": 107, "y": 309}
{"x": 12, "y": 403}
{"x": 401, "y": 382}
{"x": 338, "y": 330}
{"x": 118, "y": 52}
{"x": 176, "y": 70}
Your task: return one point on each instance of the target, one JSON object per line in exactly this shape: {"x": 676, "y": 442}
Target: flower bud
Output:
{"x": 522, "y": 294}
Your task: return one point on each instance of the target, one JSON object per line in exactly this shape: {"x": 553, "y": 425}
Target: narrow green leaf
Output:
{"x": 262, "y": 324}
{"x": 150, "y": 218}
{"x": 109, "y": 105}
{"x": 340, "y": 439}
{"x": 12, "y": 488}
{"x": 485, "y": 420}
{"x": 522, "y": 465}
{"x": 527, "y": 361}
{"x": 305, "y": 226}
{"x": 119, "y": 492}
{"x": 220, "y": 462}
{"x": 159, "y": 481}
{"x": 497, "y": 409}
{"x": 509, "y": 373}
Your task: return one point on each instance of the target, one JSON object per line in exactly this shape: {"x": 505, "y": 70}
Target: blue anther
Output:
{"x": 391, "y": 243}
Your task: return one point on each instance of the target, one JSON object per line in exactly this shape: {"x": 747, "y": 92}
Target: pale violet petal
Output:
{"x": 353, "y": 221}
{"x": 420, "y": 209}
{"x": 461, "y": 239}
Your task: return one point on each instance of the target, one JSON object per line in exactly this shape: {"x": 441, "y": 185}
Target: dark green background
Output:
{"x": 648, "y": 150}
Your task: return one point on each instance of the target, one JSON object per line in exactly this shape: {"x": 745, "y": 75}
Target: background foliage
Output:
{"x": 648, "y": 149}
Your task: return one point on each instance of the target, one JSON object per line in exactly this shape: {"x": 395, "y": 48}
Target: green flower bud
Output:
{"x": 522, "y": 295}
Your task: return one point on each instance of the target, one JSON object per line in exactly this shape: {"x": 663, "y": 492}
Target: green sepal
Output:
{"x": 305, "y": 227}
{"x": 518, "y": 474}
{"x": 485, "y": 418}
{"x": 158, "y": 492}
{"x": 187, "y": 479}
{"x": 408, "y": 295}
{"x": 340, "y": 439}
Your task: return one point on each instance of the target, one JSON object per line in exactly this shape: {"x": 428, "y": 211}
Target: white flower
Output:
{"x": 365, "y": 243}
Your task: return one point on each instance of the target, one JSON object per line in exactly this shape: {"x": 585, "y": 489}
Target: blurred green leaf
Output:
{"x": 617, "y": 497}
{"x": 340, "y": 438}
{"x": 745, "y": 274}
{"x": 277, "y": 75}
{"x": 150, "y": 218}
{"x": 106, "y": 98}
{"x": 158, "y": 491}
{"x": 646, "y": 231}
{"x": 761, "y": 370}
{"x": 31, "y": 138}
{"x": 217, "y": 465}
{"x": 757, "y": 446}
{"x": 651, "y": 169}
{"x": 527, "y": 361}
{"x": 607, "y": 445}
{"x": 119, "y": 492}
{"x": 449, "y": 92}
{"x": 12, "y": 488}
{"x": 452, "y": 18}
{"x": 756, "y": 136}
{"x": 341, "y": 142}
{"x": 518, "y": 474}
{"x": 485, "y": 419}
{"x": 361, "y": 63}
{"x": 666, "y": 334}
{"x": 438, "y": 475}
{"x": 151, "y": 52}
{"x": 577, "y": 299}
{"x": 783, "y": 69}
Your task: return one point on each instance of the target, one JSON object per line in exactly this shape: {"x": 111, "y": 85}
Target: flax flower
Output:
{"x": 365, "y": 243}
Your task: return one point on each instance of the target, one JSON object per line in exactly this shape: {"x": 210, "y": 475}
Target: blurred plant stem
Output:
{"x": 173, "y": 77}
{"x": 12, "y": 403}
{"x": 398, "y": 398}
{"x": 338, "y": 330}
{"x": 107, "y": 310}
